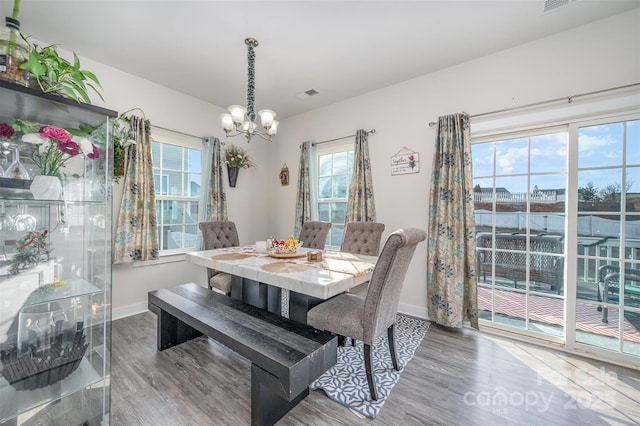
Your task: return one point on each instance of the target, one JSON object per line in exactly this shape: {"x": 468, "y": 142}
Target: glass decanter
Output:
{"x": 16, "y": 170}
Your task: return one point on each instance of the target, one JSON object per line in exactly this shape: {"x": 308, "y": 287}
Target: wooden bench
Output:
{"x": 510, "y": 259}
{"x": 286, "y": 356}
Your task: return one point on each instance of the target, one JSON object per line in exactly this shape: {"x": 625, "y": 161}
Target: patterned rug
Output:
{"x": 346, "y": 382}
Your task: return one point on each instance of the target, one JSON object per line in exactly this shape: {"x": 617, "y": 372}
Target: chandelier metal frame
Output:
{"x": 242, "y": 120}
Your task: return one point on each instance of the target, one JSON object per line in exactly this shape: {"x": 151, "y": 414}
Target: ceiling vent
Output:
{"x": 550, "y": 5}
{"x": 307, "y": 94}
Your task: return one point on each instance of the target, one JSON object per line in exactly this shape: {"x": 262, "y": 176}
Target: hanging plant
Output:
{"x": 55, "y": 74}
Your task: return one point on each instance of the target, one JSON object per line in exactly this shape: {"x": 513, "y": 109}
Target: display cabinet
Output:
{"x": 55, "y": 265}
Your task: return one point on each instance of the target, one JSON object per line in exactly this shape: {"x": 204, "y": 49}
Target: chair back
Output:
{"x": 314, "y": 234}
{"x": 217, "y": 235}
{"x": 362, "y": 238}
{"x": 381, "y": 304}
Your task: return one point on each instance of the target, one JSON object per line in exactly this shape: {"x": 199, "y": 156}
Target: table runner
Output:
{"x": 346, "y": 263}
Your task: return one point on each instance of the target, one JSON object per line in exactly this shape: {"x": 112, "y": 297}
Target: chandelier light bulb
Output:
{"x": 227, "y": 122}
{"x": 266, "y": 117}
{"x": 237, "y": 113}
{"x": 274, "y": 128}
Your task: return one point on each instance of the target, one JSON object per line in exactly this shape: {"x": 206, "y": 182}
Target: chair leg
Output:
{"x": 368, "y": 369}
{"x": 341, "y": 340}
{"x": 392, "y": 347}
{"x": 353, "y": 342}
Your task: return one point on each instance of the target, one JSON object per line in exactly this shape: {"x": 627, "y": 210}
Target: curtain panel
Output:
{"x": 137, "y": 233}
{"x": 451, "y": 260}
{"x": 303, "y": 195}
{"x": 212, "y": 205}
{"x": 361, "y": 204}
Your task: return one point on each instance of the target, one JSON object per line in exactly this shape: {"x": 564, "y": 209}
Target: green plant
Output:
{"x": 33, "y": 249}
{"x": 237, "y": 157}
{"x": 56, "y": 74}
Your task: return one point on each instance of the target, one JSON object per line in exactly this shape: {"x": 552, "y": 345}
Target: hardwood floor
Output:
{"x": 455, "y": 378}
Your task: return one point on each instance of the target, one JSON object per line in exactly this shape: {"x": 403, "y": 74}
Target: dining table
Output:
{"x": 287, "y": 284}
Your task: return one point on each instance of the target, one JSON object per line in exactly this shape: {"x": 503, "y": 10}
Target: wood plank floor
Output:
{"x": 455, "y": 378}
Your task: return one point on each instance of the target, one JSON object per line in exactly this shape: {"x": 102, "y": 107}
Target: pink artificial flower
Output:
{"x": 56, "y": 133}
{"x": 95, "y": 154}
{"x": 69, "y": 147}
{"x": 411, "y": 158}
{"x": 6, "y": 131}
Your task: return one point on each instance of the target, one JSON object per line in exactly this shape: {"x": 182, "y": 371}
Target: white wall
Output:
{"x": 170, "y": 109}
{"x": 593, "y": 57}
{"x": 597, "y": 56}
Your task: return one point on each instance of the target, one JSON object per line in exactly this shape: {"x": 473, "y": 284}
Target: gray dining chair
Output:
{"x": 217, "y": 235}
{"x": 367, "y": 318}
{"x": 313, "y": 234}
{"x": 362, "y": 238}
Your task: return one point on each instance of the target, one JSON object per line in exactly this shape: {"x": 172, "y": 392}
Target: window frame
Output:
{"x": 167, "y": 137}
{"x": 329, "y": 148}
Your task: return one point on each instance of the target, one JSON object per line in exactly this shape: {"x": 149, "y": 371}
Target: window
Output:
{"x": 335, "y": 165}
{"x": 177, "y": 178}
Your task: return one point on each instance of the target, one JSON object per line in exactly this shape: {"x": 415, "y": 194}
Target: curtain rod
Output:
{"x": 567, "y": 98}
{"x": 176, "y": 131}
{"x": 337, "y": 139}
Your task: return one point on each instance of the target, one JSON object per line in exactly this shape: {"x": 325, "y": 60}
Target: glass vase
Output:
{"x": 14, "y": 51}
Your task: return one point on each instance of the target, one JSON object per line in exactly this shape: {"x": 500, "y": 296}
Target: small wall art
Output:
{"x": 405, "y": 161}
{"x": 284, "y": 175}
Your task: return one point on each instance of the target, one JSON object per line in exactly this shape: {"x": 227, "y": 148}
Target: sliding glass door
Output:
{"x": 519, "y": 193}
{"x": 558, "y": 234}
{"x": 607, "y": 311}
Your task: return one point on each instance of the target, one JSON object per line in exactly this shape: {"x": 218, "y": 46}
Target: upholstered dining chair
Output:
{"x": 313, "y": 234}
{"x": 362, "y": 238}
{"x": 367, "y": 318}
{"x": 218, "y": 235}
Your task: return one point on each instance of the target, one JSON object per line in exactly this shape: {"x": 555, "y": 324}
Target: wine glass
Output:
{"x": 5, "y": 152}
{"x": 23, "y": 221}
{"x": 6, "y": 222}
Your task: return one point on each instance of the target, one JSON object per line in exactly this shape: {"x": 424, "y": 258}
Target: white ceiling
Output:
{"x": 339, "y": 48}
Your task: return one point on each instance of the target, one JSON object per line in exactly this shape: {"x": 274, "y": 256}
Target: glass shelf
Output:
{"x": 52, "y": 292}
{"x": 14, "y": 403}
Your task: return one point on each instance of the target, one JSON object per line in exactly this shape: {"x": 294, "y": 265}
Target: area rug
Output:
{"x": 346, "y": 382}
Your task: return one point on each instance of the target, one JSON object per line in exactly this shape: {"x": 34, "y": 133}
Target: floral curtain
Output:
{"x": 216, "y": 207}
{"x": 303, "y": 197}
{"x": 213, "y": 199}
{"x": 361, "y": 205}
{"x": 451, "y": 276}
{"x": 137, "y": 233}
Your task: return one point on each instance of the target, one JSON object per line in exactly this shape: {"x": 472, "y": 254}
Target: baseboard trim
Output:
{"x": 414, "y": 311}
{"x": 128, "y": 310}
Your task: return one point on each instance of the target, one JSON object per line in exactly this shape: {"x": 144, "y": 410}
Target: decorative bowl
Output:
{"x": 284, "y": 249}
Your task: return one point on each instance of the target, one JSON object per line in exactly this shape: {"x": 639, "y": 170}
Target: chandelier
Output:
{"x": 242, "y": 120}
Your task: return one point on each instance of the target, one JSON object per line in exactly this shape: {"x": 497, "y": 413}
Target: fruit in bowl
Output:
{"x": 288, "y": 246}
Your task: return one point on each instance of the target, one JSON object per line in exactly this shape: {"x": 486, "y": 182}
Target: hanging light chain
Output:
{"x": 251, "y": 78}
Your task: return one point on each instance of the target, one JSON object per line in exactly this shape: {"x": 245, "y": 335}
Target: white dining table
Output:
{"x": 289, "y": 286}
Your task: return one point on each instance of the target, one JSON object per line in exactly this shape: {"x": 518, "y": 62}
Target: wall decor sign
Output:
{"x": 284, "y": 175}
{"x": 405, "y": 161}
